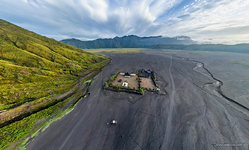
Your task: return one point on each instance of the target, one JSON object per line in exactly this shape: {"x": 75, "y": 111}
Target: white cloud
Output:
{"x": 97, "y": 9}
{"x": 219, "y": 20}
{"x": 208, "y": 19}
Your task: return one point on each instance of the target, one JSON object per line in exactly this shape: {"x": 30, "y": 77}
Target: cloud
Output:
{"x": 211, "y": 19}
{"x": 219, "y": 20}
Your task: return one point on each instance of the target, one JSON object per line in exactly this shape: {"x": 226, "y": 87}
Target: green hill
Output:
{"x": 33, "y": 66}
{"x": 37, "y": 77}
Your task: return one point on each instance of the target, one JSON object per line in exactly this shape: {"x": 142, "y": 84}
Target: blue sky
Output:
{"x": 206, "y": 21}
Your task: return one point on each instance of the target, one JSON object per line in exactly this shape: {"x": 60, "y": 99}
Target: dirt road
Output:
{"x": 189, "y": 116}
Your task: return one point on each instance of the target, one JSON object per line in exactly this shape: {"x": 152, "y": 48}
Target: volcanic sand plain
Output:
{"x": 191, "y": 115}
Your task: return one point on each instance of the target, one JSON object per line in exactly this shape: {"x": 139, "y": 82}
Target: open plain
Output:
{"x": 191, "y": 115}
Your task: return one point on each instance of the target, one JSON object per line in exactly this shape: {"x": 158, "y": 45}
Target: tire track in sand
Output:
{"x": 167, "y": 136}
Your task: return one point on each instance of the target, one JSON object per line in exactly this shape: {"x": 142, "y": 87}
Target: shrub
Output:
{"x": 141, "y": 91}
{"x": 112, "y": 78}
{"x": 106, "y": 85}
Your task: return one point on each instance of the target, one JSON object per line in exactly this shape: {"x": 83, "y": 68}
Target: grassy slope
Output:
{"x": 34, "y": 67}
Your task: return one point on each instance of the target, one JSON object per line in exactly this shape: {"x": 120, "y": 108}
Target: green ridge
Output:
{"x": 33, "y": 66}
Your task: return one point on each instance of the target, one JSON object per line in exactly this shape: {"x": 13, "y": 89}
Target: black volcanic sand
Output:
{"x": 187, "y": 117}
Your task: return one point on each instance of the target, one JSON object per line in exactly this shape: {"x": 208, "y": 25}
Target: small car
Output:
{"x": 114, "y": 122}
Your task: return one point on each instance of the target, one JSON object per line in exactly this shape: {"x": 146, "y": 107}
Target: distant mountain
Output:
{"x": 131, "y": 41}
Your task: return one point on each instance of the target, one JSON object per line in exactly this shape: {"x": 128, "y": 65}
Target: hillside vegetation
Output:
{"x": 33, "y": 66}
{"x": 36, "y": 73}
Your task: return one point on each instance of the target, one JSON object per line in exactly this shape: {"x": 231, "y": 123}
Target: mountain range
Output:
{"x": 130, "y": 41}
{"x": 156, "y": 42}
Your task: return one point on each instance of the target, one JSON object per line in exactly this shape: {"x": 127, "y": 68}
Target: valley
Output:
{"x": 191, "y": 115}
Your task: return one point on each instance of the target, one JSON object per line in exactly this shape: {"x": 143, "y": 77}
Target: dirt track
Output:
{"x": 189, "y": 116}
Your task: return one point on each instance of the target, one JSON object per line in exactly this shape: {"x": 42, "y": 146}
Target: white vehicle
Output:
{"x": 114, "y": 122}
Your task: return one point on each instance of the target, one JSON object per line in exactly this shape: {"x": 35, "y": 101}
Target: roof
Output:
{"x": 125, "y": 83}
{"x": 127, "y": 74}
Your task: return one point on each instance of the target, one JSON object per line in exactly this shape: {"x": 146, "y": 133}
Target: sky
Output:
{"x": 205, "y": 21}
